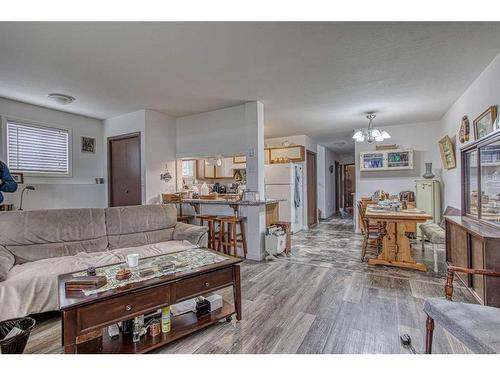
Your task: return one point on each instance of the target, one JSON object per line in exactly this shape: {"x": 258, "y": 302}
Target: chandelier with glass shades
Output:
{"x": 370, "y": 134}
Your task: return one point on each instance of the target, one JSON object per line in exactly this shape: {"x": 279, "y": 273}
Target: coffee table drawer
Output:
{"x": 122, "y": 308}
{"x": 197, "y": 285}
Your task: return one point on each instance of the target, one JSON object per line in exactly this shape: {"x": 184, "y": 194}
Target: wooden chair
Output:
{"x": 478, "y": 331}
{"x": 211, "y": 223}
{"x": 228, "y": 237}
{"x": 177, "y": 200}
{"x": 372, "y": 232}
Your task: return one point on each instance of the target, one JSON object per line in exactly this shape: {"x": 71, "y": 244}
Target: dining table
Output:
{"x": 396, "y": 247}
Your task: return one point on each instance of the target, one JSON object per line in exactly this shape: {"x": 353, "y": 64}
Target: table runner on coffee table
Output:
{"x": 183, "y": 261}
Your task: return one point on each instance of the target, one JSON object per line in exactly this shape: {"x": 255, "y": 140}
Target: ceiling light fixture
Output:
{"x": 61, "y": 98}
{"x": 370, "y": 134}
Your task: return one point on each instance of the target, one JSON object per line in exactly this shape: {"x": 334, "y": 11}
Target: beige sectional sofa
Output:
{"x": 36, "y": 246}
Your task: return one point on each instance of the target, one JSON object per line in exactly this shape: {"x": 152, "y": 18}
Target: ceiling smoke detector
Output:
{"x": 61, "y": 98}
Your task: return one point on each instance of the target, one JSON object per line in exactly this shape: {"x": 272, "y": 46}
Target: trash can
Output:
{"x": 16, "y": 344}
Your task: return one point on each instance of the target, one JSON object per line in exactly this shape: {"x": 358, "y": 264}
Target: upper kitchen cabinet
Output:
{"x": 210, "y": 169}
{"x": 239, "y": 159}
{"x": 225, "y": 169}
{"x": 286, "y": 154}
{"x": 204, "y": 169}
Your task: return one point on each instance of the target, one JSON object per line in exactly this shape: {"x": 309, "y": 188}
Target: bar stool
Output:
{"x": 177, "y": 200}
{"x": 228, "y": 236}
{"x": 211, "y": 223}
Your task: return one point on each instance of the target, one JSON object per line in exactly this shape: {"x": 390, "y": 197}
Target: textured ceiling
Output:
{"x": 313, "y": 78}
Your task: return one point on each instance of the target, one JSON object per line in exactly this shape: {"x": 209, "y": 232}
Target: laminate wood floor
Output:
{"x": 321, "y": 299}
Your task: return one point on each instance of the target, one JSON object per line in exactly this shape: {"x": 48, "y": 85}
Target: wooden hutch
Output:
{"x": 473, "y": 239}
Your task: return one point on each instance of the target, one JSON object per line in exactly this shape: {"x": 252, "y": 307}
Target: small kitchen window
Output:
{"x": 38, "y": 150}
{"x": 188, "y": 167}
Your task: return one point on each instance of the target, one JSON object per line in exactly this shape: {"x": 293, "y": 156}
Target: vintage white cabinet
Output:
{"x": 385, "y": 160}
{"x": 428, "y": 199}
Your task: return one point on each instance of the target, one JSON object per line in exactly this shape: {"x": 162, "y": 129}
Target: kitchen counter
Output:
{"x": 230, "y": 202}
{"x": 234, "y": 204}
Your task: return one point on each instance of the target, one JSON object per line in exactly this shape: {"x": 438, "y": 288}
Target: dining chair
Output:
{"x": 372, "y": 231}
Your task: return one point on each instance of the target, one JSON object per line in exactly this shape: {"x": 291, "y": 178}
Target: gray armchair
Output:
{"x": 477, "y": 326}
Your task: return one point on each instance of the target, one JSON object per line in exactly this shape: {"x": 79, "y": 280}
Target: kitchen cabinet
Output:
{"x": 239, "y": 159}
{"x": 204, "y": 169}
{"x": 287, "y": 154}
{"x": 386, "y": 160}
{"x": 225, "y": 170}
{"x": 428, "y": 198}
{"x": 474, "y": 244}
{"x": 208, "y": 169}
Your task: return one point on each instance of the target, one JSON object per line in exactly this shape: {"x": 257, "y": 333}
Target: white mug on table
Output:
{"x": 133, "y": 260}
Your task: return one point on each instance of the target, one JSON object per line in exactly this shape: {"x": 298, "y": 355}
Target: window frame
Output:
{"x": 38, "y": 124}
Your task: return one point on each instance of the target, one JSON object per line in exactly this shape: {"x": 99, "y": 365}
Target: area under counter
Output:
{"x": 234, "y": 204}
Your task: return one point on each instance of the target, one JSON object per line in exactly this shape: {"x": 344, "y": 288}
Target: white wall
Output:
{"x": 160, "y": 151}
{"x": 326, "y": 181}
{"x": 220, "y": 132}
{"x": 346, "y": 158}
{"x": 228, "y": 131}
{"x": 158, "y": 134}
{"x": 481, "y": 94}
{"x": 422, "y": 138}
{"x": 79, "y": 190}
{"x": 125, "y": 124}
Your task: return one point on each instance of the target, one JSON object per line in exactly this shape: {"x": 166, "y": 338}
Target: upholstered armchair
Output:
{"x": 476, "y": 326}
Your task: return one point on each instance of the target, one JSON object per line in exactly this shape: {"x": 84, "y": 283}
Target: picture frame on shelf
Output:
{"x": 484, "y": 124}
{"x": 447, "y": 151}
{"x": 88, "y": 145}
{"x": 18, "y": 177}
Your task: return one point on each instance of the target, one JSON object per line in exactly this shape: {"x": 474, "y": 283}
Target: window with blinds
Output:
{"x": 36, "y": 149}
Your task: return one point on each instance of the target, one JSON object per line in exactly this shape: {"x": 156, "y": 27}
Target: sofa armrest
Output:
{"x": 448, "y": 289}
{"x": 7, "y": 261}
{"x": 195, "y": 234}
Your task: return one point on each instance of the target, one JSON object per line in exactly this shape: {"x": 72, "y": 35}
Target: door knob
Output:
{"x": 126, "y": 191}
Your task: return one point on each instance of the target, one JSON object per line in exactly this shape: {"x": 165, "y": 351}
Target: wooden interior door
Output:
{"x": 312, "y": 197}
{"x": 124, "y": 170}
{"x": 349, "y": 186}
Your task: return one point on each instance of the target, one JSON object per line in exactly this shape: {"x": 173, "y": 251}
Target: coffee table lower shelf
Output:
{"x": 181, "y": 326}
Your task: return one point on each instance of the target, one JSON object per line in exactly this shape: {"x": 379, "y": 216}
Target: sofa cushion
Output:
{"x": 31, "y": 288}
{"x": 476, "y": 326}
{"x": 7, "y": 261}
{"x": 140, "y": 225}
{"x": 34, "y": 235}
{"x": 433, "y": 232}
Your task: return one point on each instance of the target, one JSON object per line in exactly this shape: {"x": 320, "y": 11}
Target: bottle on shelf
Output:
{"x": 136, "y": 332}
{"x": 165, "y": 319}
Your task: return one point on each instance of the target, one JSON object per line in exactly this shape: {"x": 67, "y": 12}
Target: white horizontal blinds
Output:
{"x": 32, "y": 148}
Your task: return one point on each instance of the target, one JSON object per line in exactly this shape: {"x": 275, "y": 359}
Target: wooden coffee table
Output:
{"x": 85, "y": 315}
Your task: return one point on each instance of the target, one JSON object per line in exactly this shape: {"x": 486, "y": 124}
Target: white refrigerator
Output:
{"x": 284, "y": 181}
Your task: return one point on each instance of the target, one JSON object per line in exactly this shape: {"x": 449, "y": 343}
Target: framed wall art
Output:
{"x": 18, "y": 177}
{"x": 447, "y": 151}
{"x": 88, "y": 145}
{"x": 484, "y": 123}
